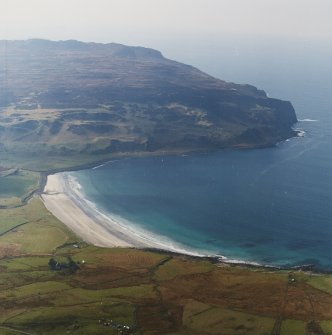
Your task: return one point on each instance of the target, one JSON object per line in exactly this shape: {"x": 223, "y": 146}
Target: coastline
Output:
{"x": 57, "y": 200}
{"x": 108, "y": 230}
{"x": 83, "y": 218}
{"x": 44, "y": 174}
{"x": 63, "y": 199}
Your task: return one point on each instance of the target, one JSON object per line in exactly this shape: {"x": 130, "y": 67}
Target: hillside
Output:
{"x": 92, "y": 100}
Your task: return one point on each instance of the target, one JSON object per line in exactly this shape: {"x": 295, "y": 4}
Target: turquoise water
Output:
{"x": 271, "y": 206}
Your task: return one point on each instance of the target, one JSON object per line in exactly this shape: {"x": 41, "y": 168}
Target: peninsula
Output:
{"x": 70, "y": 100}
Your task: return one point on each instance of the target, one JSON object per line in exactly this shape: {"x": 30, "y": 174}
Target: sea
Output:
{"x": 270, "y": 206}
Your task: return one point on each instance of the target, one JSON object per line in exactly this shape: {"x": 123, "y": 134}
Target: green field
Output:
{"x": 16, "y": 185}
{"x": 149, "y": 292}
{"x": 323, "y": 283}
{"x": 31, "y": 229}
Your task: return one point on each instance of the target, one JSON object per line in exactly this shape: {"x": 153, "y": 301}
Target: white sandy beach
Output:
{"x": 93, "y": 226}
{"x": 58, "y": 201}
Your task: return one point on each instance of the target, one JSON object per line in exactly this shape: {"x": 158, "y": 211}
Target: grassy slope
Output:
{"x": 156, "y": 293}
{"x": 16, "y": 186}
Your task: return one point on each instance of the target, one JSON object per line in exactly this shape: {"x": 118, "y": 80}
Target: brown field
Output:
{"x": 149, "y": 292}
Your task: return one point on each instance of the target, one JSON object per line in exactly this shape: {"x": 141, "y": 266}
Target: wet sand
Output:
{"x": 67, "y": 209}
{"x": 95, "y": 227}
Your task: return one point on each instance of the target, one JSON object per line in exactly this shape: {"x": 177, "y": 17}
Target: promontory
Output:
{"x": 92, "y": 101}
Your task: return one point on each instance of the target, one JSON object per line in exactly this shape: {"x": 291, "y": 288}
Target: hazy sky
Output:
{"x": 145, "y": 21}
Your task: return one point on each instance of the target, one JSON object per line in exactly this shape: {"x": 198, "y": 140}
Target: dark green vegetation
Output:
{"x": 74, "y": 103}
{"x": 142, "y": 292}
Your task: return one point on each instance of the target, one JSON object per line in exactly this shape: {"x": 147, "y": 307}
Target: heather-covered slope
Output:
{"x": 75, "y": 98}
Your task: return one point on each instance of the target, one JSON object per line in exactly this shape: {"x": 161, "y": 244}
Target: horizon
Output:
{"x": 300, "y": 18}
{"x": 160, "y": 24}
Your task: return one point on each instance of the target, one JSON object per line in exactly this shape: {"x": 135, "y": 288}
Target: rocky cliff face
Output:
{"x": 74, "y": 97}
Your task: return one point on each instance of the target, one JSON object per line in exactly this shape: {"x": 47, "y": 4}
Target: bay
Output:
{"x": 271, "y": 206}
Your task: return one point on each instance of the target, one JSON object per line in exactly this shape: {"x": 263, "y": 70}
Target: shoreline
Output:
{"x": 44, "y": 174}
{"x": 57, "y": 201}
{"x": 93, "y": 226}
{"x": 162, "y": 152}
{"x": 141, "y": 154}
{"x": 105, "y": 230}
{"x": 80, "y": 216}
{"x": 87, "y": 222}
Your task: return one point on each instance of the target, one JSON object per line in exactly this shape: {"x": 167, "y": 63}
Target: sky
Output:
{"x": 150, "y": 22}
{"x": 205, "y": 33}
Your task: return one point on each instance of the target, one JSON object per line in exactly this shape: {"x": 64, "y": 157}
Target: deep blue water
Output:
{"x": 272, "y": 206}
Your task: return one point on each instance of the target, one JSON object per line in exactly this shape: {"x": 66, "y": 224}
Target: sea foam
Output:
{"x": 117, "y": 224}
{"x": 308, "y": 120}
